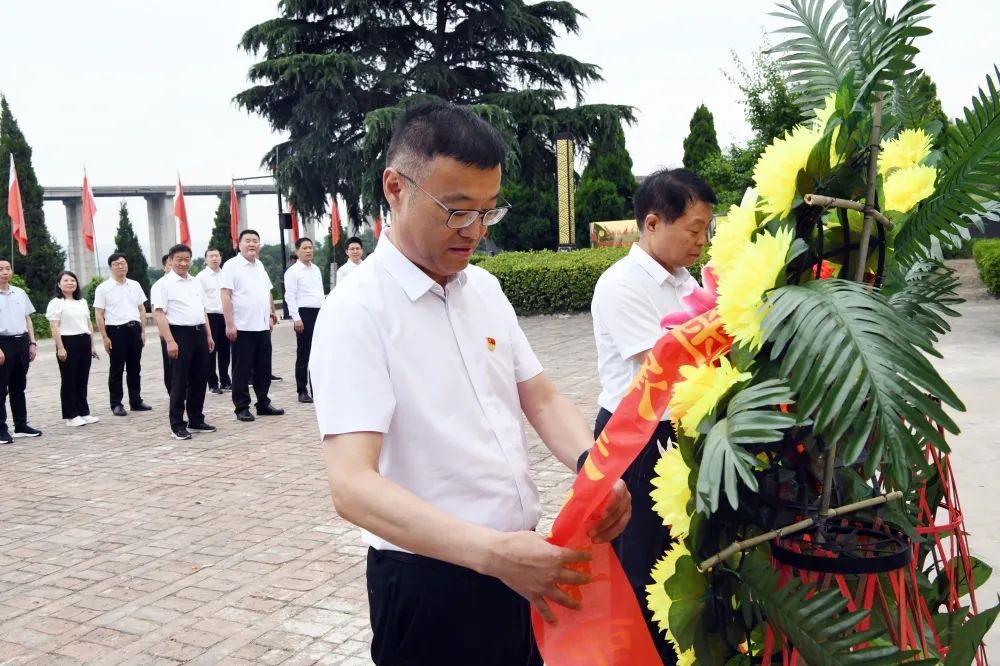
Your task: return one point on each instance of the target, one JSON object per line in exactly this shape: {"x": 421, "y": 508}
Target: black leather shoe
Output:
{"x": 305, "y": 397}
{"x": 181, "y": 433}
{"x": 276, "y": 378}
{"x": 201, "y": 427}
{"x": 216, "y": 391}
{"x": 226, "y": 387}
{"x": 269, "y": 410}
{"x": 140, "y": 407}
{"x": 244, "y": 415}
{"x": 118, "y": 410}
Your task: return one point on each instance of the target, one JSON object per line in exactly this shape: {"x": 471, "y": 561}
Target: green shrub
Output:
{"x": 987, "y": 256}
{"x": 42, "y": 328}
{"x": 90, "y": 289}
{"x": 546, "y": 282}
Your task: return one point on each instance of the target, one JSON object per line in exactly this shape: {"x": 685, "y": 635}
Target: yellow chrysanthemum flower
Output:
{"x": 671, "y": 493}
{"x": 909, "y": 148}
{"x": 778, "y": 168}
{"x": 701, "y": 389}
{"x": 685, "y": 658}
{"x": 657, "y": 599}
{"x": 741, "y": 293}
{"x": 824, "y": 113}
{"x": 905, "y": 188}
{"x": 732, "y": 235}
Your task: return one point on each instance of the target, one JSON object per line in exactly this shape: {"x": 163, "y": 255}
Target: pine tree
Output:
{"x": 701, "y": 143}
{"x": 45, "y": 258}
{"x": 222, "y": 239}
{"x": 127, "y": 243}
{"x": 606, "y": 185}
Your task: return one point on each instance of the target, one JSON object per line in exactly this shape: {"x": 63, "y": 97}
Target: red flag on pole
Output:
{"x": 234, "y": 216}
{"x": 334, "y": 222}
{"x": 378, "y": 226}
{"x": 15, "y": 209}
{"x": 180, "y": 212}
{"x": 89, "y": 210}
{"x": 295, "y": 223}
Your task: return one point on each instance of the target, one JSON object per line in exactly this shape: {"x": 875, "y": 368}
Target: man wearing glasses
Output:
{"x": 428, "y": 454}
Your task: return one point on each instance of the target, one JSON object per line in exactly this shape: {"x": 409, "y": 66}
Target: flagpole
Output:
{"x": 93, "y": 231}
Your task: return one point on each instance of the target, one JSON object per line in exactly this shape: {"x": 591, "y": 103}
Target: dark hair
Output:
{"x": 245, "y": 232}
{"x": 115, "y": 257}
{"x": 302, "y": 240}
{"x": 3, "y": 258}
{"x": 212, "y": 249}
{"x": 292, "y": 259}
{"x": 180, "y": 247}
{"x": 429, "y": 129}
{"x": 164, "y": 258}
{"x": 59, "y": 293}
{"x": 668, "y": 192}
{"x": 354, "y": 239}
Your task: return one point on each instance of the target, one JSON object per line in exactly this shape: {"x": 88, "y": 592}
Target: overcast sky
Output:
{"x": 138, "y": 91}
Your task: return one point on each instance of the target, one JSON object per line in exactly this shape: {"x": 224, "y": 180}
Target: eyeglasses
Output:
{"x": 460, "y": 218}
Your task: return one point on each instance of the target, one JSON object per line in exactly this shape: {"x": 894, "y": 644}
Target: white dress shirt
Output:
{"x": 303, "y": 288}
{"x": 251, "y": 293}
{"x": 437, "y": 370}
{"x": 630, "y": 299}
{"x": 346, "y": 270}
{"x": 155, "y": 289}
{"x": 181, "y": 300}
{"x": 119, "y": 300}
{"x": 72, "y": 315}
{"x": 211, "y": 282}
{"x": 14, "y": 307}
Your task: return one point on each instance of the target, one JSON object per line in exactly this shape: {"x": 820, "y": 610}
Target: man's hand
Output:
{"x": 273, "y": 321}
{"x": 172, "y": 349}
{"x": 107, "y": 345}
{"x": 231, "y": 333}
{"x": 528, "y": 564}
{"x": 4, "y": 358}
{"x": 298, "y": 326}
{"x": 32, "y": 353}
{"x": 211, "y": 344}
{"x": 615, "y": 515}
{"x": 142, "y": 337}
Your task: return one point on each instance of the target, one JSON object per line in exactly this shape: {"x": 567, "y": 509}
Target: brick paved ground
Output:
{"x": 119, "y": 545}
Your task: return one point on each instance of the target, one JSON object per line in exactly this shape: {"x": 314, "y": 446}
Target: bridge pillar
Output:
{"x": 81, "y": 260}
{"x": 241, "y": 204}
{"x": 162, "y": 228}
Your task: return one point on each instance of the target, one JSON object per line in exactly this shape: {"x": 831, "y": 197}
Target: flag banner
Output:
{"x": 609, "y": 629}
{"x": 234, "y": 216}
{"x": 378, "y": 227}
{"x": 180, "y": 212}
{"x": 89, "y": 210}
{"x": 295, "y": 223}
{"x": 334, "y": 222}
{"x": 15, "y": 209}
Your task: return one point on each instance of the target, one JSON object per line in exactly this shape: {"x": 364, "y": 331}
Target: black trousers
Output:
{"x": 75, "y": 373}
{"x": 251, "y": 356}
{"x": 125, "y": 357}
{"x": 303, "y": 344}
{"x": 645, "y": 538}
{"x": 219, "y": 357}
{"x": 189, "y": 374}
{"x": 14, "y": 378}
{"x": 426, "y": 612}
{"x": 166, "y": 365}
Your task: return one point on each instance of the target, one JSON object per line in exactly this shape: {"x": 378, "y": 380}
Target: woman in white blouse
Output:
{"x": 69, "y": 316}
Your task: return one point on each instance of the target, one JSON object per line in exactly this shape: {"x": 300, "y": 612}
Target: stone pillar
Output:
{"x": 241, "y": 204}
{"x": 81, "y": 260}
{"x": 162, "y": 228}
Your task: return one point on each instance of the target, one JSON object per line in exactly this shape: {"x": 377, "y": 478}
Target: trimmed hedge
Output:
{"x": 546, "y": 282}
{"x": 987, "y": 256}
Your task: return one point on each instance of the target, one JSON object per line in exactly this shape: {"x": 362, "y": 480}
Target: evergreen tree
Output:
{"x": 222, "y": 239}
{"x": 701, "y": 142}
{"x": 336, "y": 90}
{"x": 127, "y": 243}
{"x": 45, "y": 258}
{"x": 770, "y": 106}
{"x": 606, "y": 185}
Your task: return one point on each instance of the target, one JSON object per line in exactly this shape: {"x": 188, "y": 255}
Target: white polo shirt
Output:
{"x": 181, "y": 300}
{"x": 119, "y": 300}
{"x": 303, "y": 288}
{"x": 72, "y": 315}
{"x": 437, "y": 370}
{"x": 629, "y": 301}
{"x": 211, "y": 282}
{"x": 14, "y": 307}
{"x": 251, "y": 295}
{"x": 346, "y": 270}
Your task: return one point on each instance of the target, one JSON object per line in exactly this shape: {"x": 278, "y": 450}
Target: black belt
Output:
{"x": 197, "y": 327}
{"x": 9, "y": 338}
{"x": 130, "y": 324}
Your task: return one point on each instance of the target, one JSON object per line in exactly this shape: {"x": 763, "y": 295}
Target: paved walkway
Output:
{"x": 119, "y": 545}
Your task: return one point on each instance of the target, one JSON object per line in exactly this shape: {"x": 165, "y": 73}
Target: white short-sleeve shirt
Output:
{"x": 14, "y": 307}
{"x": 346, "y": 270}
{"x": 119, "y": 300}
{"x": 72, "y": 315}
{"x": 303, "y": 288}
{"x": 251, "y": 293}
{"x": 629, "y": 301}
{"x": 181, "y": 300}
{"x": 211, "y": 282}
{"x": 437, "y": 370}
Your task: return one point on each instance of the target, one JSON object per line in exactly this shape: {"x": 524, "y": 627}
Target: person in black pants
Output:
{"x": 180, "y": 317}
{"x": 165, "y": 261}
{"x": 250, "y": 316}
{"x": 17, "y": 351}
{"x": 210, "y": 279}
{"x": 120, "y": 310}
{"x": 304, "y": 297}
{"x": 69, "y": 317}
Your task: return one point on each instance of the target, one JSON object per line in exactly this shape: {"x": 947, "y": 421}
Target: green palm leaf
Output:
{"x": 816, "y": 55}
{"x": 924, "y": 295}
{"x": 816, "y": 623}
{"x": 724, "y": 459}
{"x": 969, "y": 177}
{"x": 860, "y": 373}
